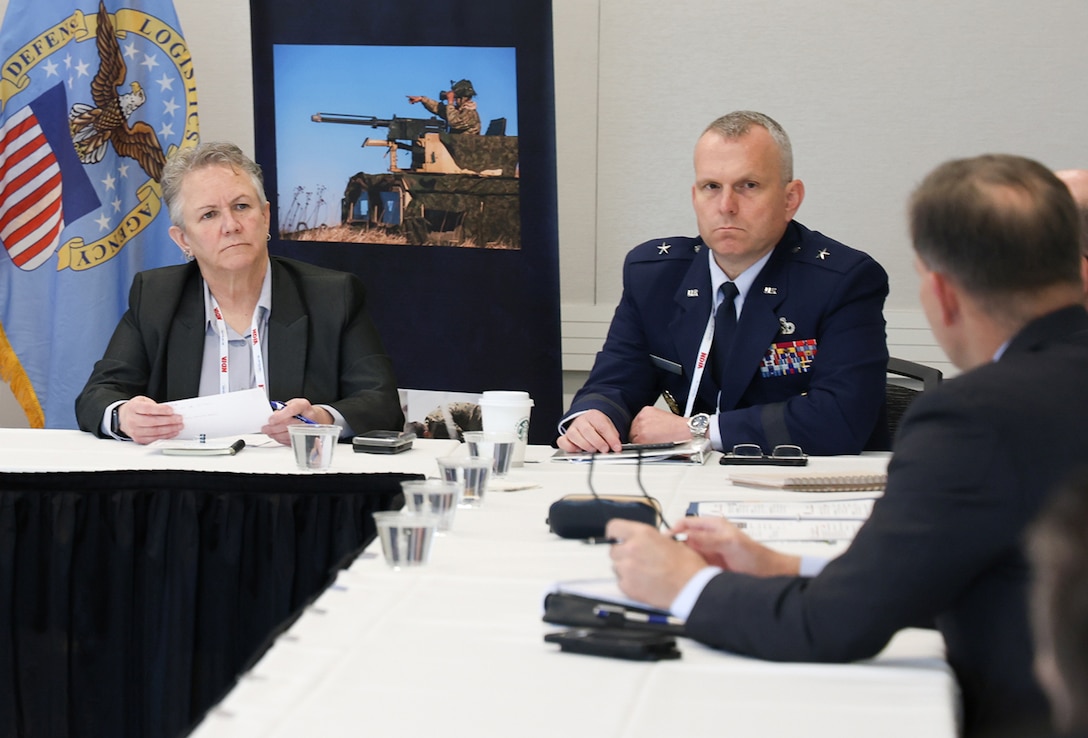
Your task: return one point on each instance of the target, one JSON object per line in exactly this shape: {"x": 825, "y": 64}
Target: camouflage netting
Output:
{"x": 487, "y": 206}
{"x": 485, "y": 209}
{"x": 479, "y": 153}
{"x": 450, "y": 208}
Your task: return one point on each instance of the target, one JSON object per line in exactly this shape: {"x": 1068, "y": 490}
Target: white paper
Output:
{"x": 695, "y": 451}
{"x": 859, "y": 509}
{"x": 799, "y": 530}
{"x": 230, "y": 414}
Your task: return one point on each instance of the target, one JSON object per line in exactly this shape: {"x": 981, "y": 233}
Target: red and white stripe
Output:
{"x": 31, "y": 213}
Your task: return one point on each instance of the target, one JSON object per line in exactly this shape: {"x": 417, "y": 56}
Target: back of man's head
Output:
{"x": 1058, "y": 548}
{"x": 1000, "y": 226}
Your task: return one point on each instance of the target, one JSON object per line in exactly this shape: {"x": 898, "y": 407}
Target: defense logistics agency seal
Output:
{"x": 124, "y": 90}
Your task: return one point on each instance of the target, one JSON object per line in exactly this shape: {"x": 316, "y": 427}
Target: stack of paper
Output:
{"x": 695, "y": 451}
{"x": 792, "y": 521}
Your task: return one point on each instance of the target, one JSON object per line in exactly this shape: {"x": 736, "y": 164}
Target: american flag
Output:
{"x": 77, "y": 224}
{"x": 30, "y": 182}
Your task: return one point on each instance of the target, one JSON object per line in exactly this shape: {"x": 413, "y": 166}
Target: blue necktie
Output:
{"x": 725, "y": 325}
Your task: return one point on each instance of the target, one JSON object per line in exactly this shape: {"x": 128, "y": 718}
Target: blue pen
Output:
{"x": 277, "y": 405}
{"x": 609, "y": 612}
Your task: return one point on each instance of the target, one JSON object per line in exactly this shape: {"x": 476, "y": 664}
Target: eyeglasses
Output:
{"x": 784, "y": 454}
{"x": 781, "y": 451}
{"x": 638, "y": 480}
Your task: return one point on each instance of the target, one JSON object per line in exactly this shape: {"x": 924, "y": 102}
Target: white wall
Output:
{"x": 874, "y": 94}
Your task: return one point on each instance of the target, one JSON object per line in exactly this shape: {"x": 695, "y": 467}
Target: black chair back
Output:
{"x": 898, "y": 395}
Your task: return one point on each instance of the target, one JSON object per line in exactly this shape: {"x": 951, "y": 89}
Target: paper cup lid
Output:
{"x": 500, "y": 397}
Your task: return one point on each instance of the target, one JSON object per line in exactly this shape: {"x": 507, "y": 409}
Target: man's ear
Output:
{"x": 946, "y": 296}
{"x": 795, "y": 194}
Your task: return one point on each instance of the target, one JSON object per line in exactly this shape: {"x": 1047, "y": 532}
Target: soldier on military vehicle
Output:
{"x": 458, "y": 108}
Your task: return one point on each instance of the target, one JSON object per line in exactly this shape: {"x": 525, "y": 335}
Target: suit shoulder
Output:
{"x": 675, "y": 248}
{"x": 822, "y": 252}
{"x": 166, "y": 283}
{"x": 167, "y": 275}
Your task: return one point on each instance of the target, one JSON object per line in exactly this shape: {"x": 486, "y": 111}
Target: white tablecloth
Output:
{"x": 66, "y": 450}
{"x": 456, "y": 648}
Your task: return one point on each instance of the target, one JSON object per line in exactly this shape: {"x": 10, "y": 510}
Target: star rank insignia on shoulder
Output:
{"x": 822, "y": 254}
{"x": 664, "y": 247}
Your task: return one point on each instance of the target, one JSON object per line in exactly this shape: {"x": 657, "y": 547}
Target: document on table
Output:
{"x": 695, "y": 451}
{"x": 800, "y": 530}
{"x": 858, "y": 509}
{"x": 229, "y": 414}
{"x": 837, "y": 520}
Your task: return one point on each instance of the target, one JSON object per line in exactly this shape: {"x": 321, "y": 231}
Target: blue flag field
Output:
{"x": 94, "y": 98}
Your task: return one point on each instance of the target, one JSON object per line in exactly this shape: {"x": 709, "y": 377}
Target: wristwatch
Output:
{"x": 115, "y": 422}
{"x": 699, "y": 425}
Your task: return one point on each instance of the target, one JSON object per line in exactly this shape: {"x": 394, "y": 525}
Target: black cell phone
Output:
{"x": 382, "y": 442}
{"x": 619, "y": 644}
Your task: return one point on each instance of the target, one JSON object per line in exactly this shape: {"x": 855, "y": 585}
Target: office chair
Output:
{"x": 898, "y": 396}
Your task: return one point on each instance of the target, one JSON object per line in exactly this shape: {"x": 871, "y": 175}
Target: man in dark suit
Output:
{"x": 235, "y": 318}
{"x": 798, "y": 358}
{"x": 997, "y": 252}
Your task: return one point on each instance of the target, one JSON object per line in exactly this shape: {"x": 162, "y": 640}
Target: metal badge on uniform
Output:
{"x": 693, "y": 293}
{"x": 770, "y": 290}
{"x": 788, "y": 328}
{"x": 663, "y": 248}
{"x": 788, "y": 357}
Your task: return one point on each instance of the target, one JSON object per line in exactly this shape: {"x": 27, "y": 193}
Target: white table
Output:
{"x": 68, "y": 450}
{"x": 136, "y": 586}
{"x": 455, "y": 648}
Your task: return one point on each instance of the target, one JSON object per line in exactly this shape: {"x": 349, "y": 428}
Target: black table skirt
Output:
{"x": 131, "y": 601}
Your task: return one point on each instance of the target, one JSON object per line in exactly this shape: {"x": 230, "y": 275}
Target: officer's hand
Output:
{"x": 654, "y": 425}
{"x": 590, "y": 431}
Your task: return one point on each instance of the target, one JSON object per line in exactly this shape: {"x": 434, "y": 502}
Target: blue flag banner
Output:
{"x": 93, "y": 99}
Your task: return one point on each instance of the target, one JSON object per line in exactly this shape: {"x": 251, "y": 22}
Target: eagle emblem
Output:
{"x": 94, "y": 127}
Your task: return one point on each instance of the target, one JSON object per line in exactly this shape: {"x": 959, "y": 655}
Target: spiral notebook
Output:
{"x": 815, "y": 482}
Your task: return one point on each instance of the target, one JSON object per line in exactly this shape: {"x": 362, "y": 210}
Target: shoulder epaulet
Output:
{"x": 675, "y": 247}
{"x": 827, "y": 253}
